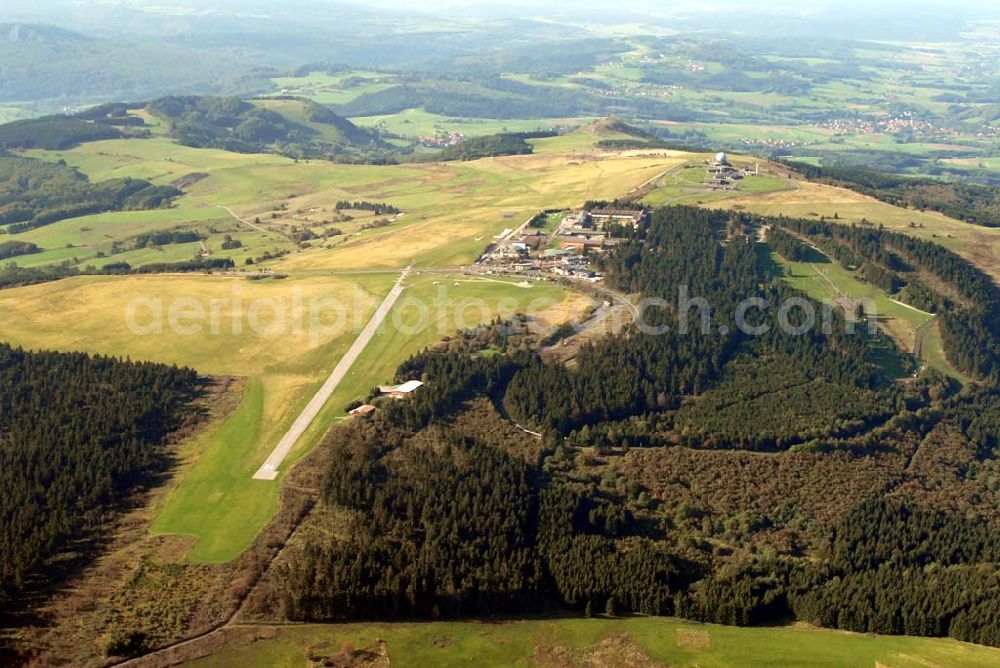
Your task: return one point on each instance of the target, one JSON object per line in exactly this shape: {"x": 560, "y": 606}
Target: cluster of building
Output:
{"x": 771, "y": 142}
{"x": 441, "y": 139}
{"x": 720, "y": 174}
{"x": 389, "y": 391}
{"x": 568, "y": 250}
{"x": 905, "y": 122}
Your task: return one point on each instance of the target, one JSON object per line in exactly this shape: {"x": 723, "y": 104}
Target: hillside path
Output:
{"x": 232, "y": 213}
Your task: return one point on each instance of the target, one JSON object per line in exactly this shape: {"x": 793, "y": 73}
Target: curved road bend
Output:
{"x": 269, "y": 470}
{"x": 233, "y": 214}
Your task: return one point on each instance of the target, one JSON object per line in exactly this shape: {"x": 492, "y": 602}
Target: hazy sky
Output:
{"x": 865, "y": 15}
{"x": 529, "y": 7}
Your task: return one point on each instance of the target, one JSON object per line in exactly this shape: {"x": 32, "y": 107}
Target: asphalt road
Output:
{"x": 269, "y": 470}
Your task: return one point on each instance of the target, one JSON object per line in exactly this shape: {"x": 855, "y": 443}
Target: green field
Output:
{"x": 224, "y": 508}
{"x": 334, "y": 88}
{"x": 826, "y": 281}
{"x": 12, "y": 112}
{"x": 158, "y": 159}
{"x": 422, "y": 123}
{"x": 88, "y": 240}
{"x": 684, "y": 185}
{"x": 979, "y": 245}
{"x": 598, "y": 642}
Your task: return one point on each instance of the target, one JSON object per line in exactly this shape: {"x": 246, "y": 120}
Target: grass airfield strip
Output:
{"x": 217, "y": 501}
{"x": 269, "y": 469}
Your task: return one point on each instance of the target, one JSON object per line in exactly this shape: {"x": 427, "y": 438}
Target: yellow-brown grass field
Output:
{"x": 979, "y": 245}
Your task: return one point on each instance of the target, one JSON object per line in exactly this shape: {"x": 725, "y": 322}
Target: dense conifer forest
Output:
{"x": 867, "y": 504}
{"x": 680, "y": 254}
{"x": 77, "y": 433}
{"x": 55, "y": 133}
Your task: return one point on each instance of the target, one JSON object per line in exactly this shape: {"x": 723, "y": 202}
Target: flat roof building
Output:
{"x": 400, "y": 391}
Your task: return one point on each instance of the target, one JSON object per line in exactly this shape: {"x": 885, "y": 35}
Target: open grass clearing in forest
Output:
{"x": 552, "y": 643}
{"x": 828, "y": 281}
{"x": 979, "y": 245}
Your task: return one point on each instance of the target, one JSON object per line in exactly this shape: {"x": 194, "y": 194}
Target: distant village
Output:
{"x": 441, "y": 139}
{"x": 904, "y": 122}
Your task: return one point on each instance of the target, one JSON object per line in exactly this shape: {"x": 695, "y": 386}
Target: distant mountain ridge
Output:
{"x": 55, "y": 67}
{"x": 38, "y": 33}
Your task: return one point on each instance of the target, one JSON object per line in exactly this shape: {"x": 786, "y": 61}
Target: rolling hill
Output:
{"x": 289, "y": 126}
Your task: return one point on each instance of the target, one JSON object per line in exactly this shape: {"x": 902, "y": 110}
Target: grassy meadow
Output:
{"x": 337, "y": 88}
{"x": 261, "y": 330}
{"x": 826, "y": 281}
{"x": 683, "y": 185}
{"x": 454, "y": 209}
{"x": 451, "y": 209}
{"x": 979, "y": 245}
{"x": 423, "y": 123}
{"x": 644, "y": 641}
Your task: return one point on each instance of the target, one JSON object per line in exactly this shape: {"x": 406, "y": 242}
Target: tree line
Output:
{"x": 13, "y": 276}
